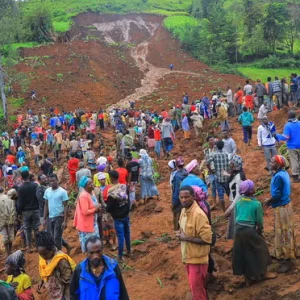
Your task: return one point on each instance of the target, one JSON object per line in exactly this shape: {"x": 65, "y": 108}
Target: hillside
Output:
{"x": 115, "y": 58}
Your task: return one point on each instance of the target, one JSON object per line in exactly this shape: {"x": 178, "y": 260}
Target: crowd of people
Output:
{"x": 106, "y": 186}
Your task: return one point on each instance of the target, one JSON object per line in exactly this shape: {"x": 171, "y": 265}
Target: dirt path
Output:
{"x": 139, "y": 53}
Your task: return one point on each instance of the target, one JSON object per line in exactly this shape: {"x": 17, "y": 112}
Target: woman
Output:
{"x": 250, "y": 251}
{"x": 65, "y": 146}
{"x": 14, "y": 268}
{"x": 85, "y": 219}
{"x": 21, "y": 156}
{"x": 236, "y": 177}
{"x": 185, "y": 127}
{"x": 148, "y": 187}
{"x": 101, "y": 168}
{"x": 285, "y": 243}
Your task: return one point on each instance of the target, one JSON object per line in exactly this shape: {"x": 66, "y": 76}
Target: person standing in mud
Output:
{"x": 196, "y": 237}
{"x": 285, "y": 246}
{"x": 167, "y": 135}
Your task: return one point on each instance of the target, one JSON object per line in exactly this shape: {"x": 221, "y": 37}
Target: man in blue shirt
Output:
{"x": 56, "y": 210}
{"x": 291, "y": 134}
{"x": 293, "y": 89}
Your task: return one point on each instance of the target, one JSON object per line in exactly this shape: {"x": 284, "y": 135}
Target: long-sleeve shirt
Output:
{"x": 291, "y": 134}
{"x": 265, "y": 135}
{"x": 246, "y": 118}
{"x": 262, "y": 112}
{"x": 280, "y": 189}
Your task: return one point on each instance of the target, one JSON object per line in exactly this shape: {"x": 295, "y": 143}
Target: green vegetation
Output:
{"x": 16, "y": 102}
{"x": 255, "y": 73}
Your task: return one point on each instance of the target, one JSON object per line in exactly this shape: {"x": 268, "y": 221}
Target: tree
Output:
{"x": 293, "y": 27}
{"x": 275, "y": 23}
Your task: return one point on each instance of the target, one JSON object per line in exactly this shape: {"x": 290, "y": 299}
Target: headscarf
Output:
{"x": 17, "y": 260}
{"x": 83, "y": 181}
{"x": 101, "y": 168}
{"x": 179, "y": 161}
{"x": 102, "y": 160}
{"x": 172, "y": 164}
{"x": 101, "y": 176}
{"x": 237, "y": 162}
{"x": 143, "y": 154}
{"x": 246, "y": 187}
{"x": 192, "y": 165}
{"x": 281, "y": 160}
{"x": 201, "y": 197}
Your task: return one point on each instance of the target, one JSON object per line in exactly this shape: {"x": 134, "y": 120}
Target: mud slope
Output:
{"x": 111, "y": 60}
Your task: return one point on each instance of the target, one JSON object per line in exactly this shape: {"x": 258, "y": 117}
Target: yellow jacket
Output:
{"x": 194, "y": 223}
{"x": 222, "y": 113}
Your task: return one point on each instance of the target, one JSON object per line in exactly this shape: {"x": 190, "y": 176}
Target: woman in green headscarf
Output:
{"x": 85, "y": 219}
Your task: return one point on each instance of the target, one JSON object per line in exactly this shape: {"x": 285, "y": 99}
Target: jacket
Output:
{"x": 117, "y": 206}
{"x": 246, "y": 118}
{"x": 176, "y": 182}
{"x": 85, "y": 213}
{"x": 280, "y": 189}
{"x": 111, "y": 286}
{"x": 265, "y": 134}
{"x": 194, "y": 223}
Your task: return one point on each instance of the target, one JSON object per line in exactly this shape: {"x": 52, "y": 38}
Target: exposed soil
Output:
{"x": 140, "y": 72}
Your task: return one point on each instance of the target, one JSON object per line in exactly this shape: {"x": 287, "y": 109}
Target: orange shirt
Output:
{"x": 123, "y": 173}
{"x": 239, "y": 96}
{"x": 157, "y": 134}
{"x": 10, "y": 158}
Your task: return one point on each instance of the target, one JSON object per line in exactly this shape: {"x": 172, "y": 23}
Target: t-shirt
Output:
{"x": 58, "y": 137}
{"x": 74, "y": 145}
{"x": 248, "y": 89}
{"x": 123, "y": 173}
{"x": 56, "y": 199}
{"x": 133, "y": 168}
{"x": 23, "y": 281}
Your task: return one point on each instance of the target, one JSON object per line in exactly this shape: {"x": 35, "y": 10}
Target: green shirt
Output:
{"x": 249, "y": 211}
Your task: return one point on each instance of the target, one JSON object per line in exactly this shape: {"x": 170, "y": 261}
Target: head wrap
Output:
{"x": 17, "y": 260}
{"x": 110, "y": 158}
{"x": 281, "y": 161}
{"x": 101, "y": 176}
{"x": 237, "y": 162}
{"x": 172, "y": 164}
{"x": 11, "y": 193}
{"x": 192, "y": 165}
{"x": 201, "y": 197}
{"x": 101, "y": 168}
{"x": 102, "y": 160}
{"x": 246, "y": 187}
{"x": 179, "y": 161}
{"x": 83, "y": 181}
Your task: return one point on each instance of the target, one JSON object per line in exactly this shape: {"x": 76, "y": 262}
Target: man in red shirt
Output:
{"x": 123, "y": 173}
{"x": 157, "y": 138}
{"x": 73, "y": 167}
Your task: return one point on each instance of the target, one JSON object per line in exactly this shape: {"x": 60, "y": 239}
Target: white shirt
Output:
{"x": 248, "y": 89}
{"x": 229, "y": 96}
{"x": 262, "y": 112}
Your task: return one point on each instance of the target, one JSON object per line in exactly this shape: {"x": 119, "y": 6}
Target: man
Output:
{"x": 248, "y": 89}
{"x": 58, "y": 139}
{"x": 28, "y": 206}
{"x": 220, "y": 161}
{"x": 46, "y": 165}
{"x": 293, "y": 90}
{"x": 229, "y": 144}
{"x": 119, "y": 138}
{"x": 127, "y": 142}
{"x": 40, "y": 191}
{"x": 277, "y": 92}
{"x": 151, "y": 139}
{"x": 74, "y": 144}
{"x": 157, "y": 137}
{"x": 167, "y": 132}
{"x": 266, "y": 140}
{"x": 37, "y": 151}
{"x": 8, "y": 217}
{"x": 123, "y": 173}
{"x": 82, "y": 172}
{"x": 133, "y": 177}
{"x": 185, "y": 99}
{"x": 246, "y": 119}
{"x": 196, "y": 237}
{"x": 229, "y": 97}
{"x": 260, "y": 92}
{"x": 178, "y": 177}
{"x": 56, "y": 210}
{"x": 263, "y": 111}
{"x": 72, "y": 168}
{"x": 292, "y": 137}
{"x": 98, "y": 276}
{"x": 269, "y": 93}
{"x": 118, "y": 205}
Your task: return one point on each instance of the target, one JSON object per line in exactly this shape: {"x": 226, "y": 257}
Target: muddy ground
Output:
{"x": 134, "y": 66}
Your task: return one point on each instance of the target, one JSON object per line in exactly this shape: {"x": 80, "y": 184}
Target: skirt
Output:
{"x": 148, "y": 187}
{"x": 230, "y": 227}
{"x": 250, "y": 253}
{"x": 83, "y": 236}
{"x": 285, "y": 243}
{"x": 151, "y": 143}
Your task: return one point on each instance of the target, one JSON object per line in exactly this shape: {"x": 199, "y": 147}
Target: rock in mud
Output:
{"x": 158, "y": 209}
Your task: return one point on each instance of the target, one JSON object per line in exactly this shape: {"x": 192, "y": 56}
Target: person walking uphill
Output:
{"x": 178, "y": 176}
{"x": 246, "y": 119}
{"x": 196, "y": 237}
{"x": 28, "y": 206}
{"x": 73, "y": 167}
{"x": 167, "y": 132}
{"x": 98, "y": 277}
{"x": 55, "y": 268}
{"x": 250, "y": 251}
{"x": 291, "y": 134}
{"x": 118, "y": 205}
{"x": 285, "y": 243}
{"x": 85, "y": 218}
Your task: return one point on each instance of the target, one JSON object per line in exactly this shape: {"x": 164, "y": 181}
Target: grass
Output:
{"x": 177, "y": 24}
{"x": 64, "y": 10}
{"x": 16, "y": 46}
{"x": 16, "y": 102}
{"x": 255, "y": 73}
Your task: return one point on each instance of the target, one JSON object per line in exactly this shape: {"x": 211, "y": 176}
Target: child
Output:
{"x": 17, "y": 278}
{"x": 55, "y": 267}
